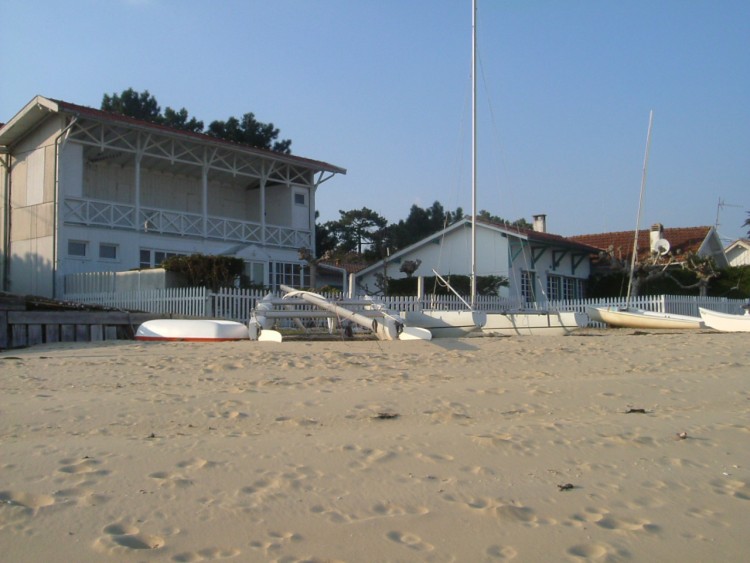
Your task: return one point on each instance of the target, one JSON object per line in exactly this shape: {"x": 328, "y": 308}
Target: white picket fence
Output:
{"x": 238, "y": 304}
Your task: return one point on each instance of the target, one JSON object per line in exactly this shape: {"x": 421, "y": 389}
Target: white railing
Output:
{"x": 238, "y": 304}
{"x": 91, "y": 212}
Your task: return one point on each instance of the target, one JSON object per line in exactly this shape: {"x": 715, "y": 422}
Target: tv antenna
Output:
{"x": 721, "y": 205}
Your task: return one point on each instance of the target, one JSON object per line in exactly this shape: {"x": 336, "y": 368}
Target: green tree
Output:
{"x": 359, "y": 228}
{"x": 247, "y": 131}
{"x": 421, "y": 223}
{"x": 180, "y": 120}
{"x": 131, "y": 103}
{"x": 521, "y": 223}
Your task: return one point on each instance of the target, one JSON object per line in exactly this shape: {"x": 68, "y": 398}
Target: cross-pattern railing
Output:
{"x": 97, "y": 213}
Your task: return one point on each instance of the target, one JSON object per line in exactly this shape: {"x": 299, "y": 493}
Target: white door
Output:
{"x": 300, "y": 209}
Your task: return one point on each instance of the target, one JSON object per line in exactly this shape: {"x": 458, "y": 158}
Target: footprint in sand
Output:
{"x": 85, "y": 466}
{"x": 277, "y": 542}
{"x": 121, "y": 537}
{"x": 207, "y": 554}
{"x": 29, "y": 501}
{"x": 497, "y": 508}
{"x": 739, "y": 489}
{"x": 501, "y": 552}
{"x": 407, "y": 539}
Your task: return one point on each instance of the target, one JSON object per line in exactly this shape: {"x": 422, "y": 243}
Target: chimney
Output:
{"x": 657, "y": 233}
{"x": 540, "y": 223}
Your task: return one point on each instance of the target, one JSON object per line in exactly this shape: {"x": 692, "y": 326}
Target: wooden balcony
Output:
{"x": 106, "y": 214}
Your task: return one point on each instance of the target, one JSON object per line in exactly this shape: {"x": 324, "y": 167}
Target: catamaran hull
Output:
{"x": 534, "y": 323}
{"x": 637, "y": 318}
{"x": 446, "y": 324}
{"x": 190, "y": 330}
{"x": 725, "y": 322}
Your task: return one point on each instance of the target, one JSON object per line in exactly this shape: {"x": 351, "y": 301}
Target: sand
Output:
{"x": 481, "y": 449}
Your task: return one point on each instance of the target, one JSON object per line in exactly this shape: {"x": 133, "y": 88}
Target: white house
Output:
{"x": 738, "y": 253}
{"x": 538, "y": 265}
{"x": 85, "y": 190}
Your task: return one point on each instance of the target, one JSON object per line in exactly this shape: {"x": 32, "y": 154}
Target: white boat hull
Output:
{"x": 637, "y": 318}
{"x": 191, "y": 330}
{"x": 534, "y": 323}
{"x": 445, "y": 324}
{"x": 725, "y": 322}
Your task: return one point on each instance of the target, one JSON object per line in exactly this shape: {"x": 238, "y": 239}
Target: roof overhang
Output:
{"x": 33, "y": 113}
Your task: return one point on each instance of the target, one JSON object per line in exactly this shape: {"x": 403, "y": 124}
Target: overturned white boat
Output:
{"x": 632, "y": 317}
{"x": 191, "y": 330}
{"x": 726, "y": 322}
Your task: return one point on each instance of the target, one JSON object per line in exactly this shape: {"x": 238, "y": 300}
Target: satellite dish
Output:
{"x": 662, "y": 246}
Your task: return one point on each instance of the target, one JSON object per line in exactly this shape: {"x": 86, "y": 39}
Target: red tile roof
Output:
{"x": 681, "y": 240}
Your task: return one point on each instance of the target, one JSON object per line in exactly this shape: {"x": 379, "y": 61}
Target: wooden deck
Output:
{"x": 27, "y": 321}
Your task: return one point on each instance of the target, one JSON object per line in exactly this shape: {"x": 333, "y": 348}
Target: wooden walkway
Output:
{"x": 26, "y": 321}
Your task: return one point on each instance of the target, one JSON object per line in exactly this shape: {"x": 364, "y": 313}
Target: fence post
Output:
{"x": 208, "y": 309}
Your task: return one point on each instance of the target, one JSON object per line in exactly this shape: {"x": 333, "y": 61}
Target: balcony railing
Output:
{"x": 97, "y": 213}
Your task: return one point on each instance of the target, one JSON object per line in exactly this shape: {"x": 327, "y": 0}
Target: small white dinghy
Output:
{"x": 190, "y": 330}
{"x": 726, "y": 322}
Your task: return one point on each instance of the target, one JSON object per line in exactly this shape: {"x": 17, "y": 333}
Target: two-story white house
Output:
{"x": 85, "y": 191}
{"x": 539, "y": 266}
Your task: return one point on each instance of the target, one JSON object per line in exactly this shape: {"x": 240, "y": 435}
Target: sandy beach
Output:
{"x": 606, "y": 446}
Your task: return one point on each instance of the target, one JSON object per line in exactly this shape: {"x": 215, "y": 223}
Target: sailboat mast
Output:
{"x": 473, "y": 152}
{"x": 640, "y": 206}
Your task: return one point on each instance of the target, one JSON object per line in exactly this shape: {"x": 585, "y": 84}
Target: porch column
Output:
{"x": 137, "y": 185}
{"x": 204, "y": 198}
{"x": 263, "y": 209}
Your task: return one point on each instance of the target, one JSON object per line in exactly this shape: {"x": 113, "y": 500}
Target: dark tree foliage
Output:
{"x": 733, "y": 283}
{"x": 181, "y": 120}
{"x": 421, "y": 223}
{"x": 247, "y": 131}
{"x": 133, "y": 104}
{"x": 520, "y": 223}
{"x": 360, "y": 230}
{"x": 201, "y": 270}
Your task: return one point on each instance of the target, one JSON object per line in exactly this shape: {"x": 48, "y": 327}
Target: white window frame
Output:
{"x": 112, "y": 245}
{"x": 85, "y": 244}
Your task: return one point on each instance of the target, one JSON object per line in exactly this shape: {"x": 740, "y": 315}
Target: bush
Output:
{"x": 212, "y": 272}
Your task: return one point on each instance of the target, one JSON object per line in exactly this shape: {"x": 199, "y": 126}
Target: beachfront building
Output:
{"x": 677, "y": 243}
{"x": 538, "y": 265}
{"x": 90, "y": 191}
{"x": 738, "y": 253}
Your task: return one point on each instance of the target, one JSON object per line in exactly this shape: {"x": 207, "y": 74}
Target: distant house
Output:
{"x": 85, "y": 190}
{"x": 538, "y": 265}
{"x": 703, "y": 241}
{"x": 738, "y": 253}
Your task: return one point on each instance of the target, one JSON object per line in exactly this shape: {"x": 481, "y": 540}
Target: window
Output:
{"x": 294, "y": 275}
{"x": 77, "y": 248}
{"x": 554, "y": 287}
{"x": 150, "y": 258}
{"x": 527, "y": 286}
{"x": 107, "y": 251}
{"x": 299, "y": 198}
{"x": 564, "y": 287}
{"x": 255, "y": 272}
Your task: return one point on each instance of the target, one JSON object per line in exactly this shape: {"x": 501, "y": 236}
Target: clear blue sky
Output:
{"x": 381, "y": 88}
